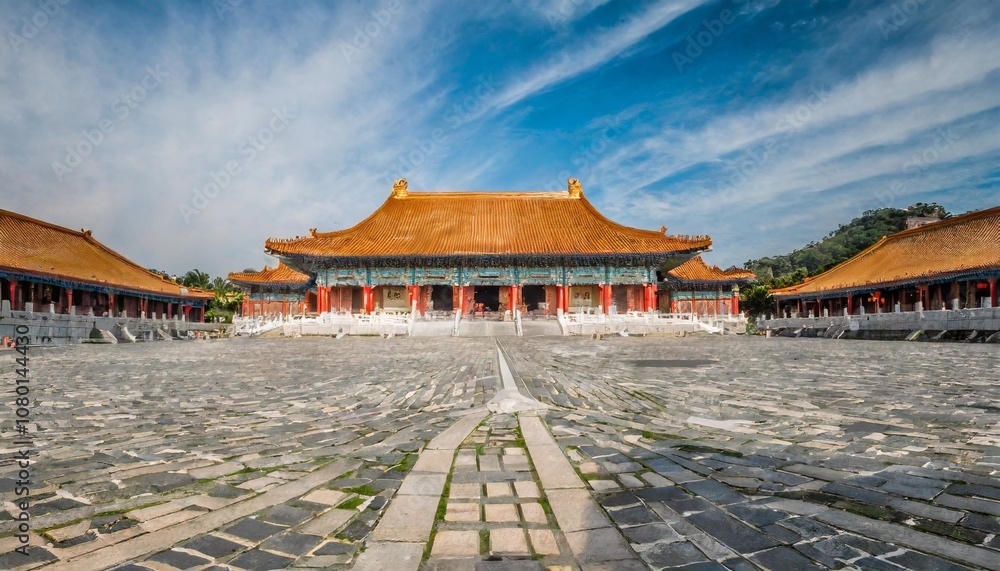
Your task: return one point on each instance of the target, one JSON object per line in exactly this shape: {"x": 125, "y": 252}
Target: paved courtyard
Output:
{"x": 697, "y": 453}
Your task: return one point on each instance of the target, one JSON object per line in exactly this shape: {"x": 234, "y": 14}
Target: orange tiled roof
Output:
{"x": 961, "y": 245}
{"x": 280, "y": 275}
{"x": 696, "y": 270}
{"x": 444, "y": 224}
{"x": 36, "y": 248}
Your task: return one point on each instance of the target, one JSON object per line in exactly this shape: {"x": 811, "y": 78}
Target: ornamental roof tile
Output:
{"x": 35, "y": 248}
{"x": 441, "y": 224}
{"x": 961, "y": 245}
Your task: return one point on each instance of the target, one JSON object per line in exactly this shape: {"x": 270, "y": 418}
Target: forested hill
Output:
{"x": 839, "y": 245}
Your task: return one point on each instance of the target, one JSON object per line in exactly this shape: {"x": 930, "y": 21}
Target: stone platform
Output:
{"x": 709, "y": 453}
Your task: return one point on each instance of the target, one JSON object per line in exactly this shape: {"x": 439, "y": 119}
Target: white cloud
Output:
{"x": 588, "y": 53}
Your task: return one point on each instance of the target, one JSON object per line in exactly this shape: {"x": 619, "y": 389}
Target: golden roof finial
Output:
{"x": 312, "y": 232}
{"x": 575, "y": 190}
{"x": 663, "y": 230}
{"x": 399, "y": 188}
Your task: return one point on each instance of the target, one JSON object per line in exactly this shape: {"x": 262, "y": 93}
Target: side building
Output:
{"x": 486, "y": 251}
{"x": 695, "y": 287}
{"x": 272, "y": 291}
{"x": 949, "y": 265}
{"x": 68, "y": 271}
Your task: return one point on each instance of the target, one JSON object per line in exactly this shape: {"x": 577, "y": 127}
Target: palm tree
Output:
{"x": 197, "y": 279}
{"x": 220, "y": 285}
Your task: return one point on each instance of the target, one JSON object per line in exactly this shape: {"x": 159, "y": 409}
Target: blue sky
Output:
{"x": 186, "y": 133}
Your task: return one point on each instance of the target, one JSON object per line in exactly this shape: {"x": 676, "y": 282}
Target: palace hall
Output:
{"x": 953, "y": 264}
{"x": 69, "y": 271}
{"x": 540, "y": 252}
{"x": 274, "y": 290}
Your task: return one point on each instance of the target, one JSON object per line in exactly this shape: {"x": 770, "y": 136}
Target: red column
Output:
{"x": 170, "y": 309}
{"x": 736, "y": 304}
{"x": 561, "y": 298}
{"x": 69, "y": 299}
{"x": 187, "y": 312}
{"x": 284, "y": 305}
{"x": 993, "y": 292}
{"x": 413, "y": 295}
{"x": 111, "y": 305}
{"x": 13, "y": 294}
{"x": 369, "y": 300}
{"x": 850, "y": 305}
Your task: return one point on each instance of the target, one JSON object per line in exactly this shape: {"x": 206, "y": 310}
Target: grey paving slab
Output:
{"x": 900, "y": 535}
{"x": 258, "y": 560}
{"x": 382, "y": 555}
{"x": 575, "y": 510}
{"x": 253, "y": 529}
{"x": 213, "y": 546}
{"x": 179, "y": 559}
{"x": 599, "y": 545}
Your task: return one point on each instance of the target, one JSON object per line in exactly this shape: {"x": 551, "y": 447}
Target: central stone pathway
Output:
{"x": 494, "y": 512}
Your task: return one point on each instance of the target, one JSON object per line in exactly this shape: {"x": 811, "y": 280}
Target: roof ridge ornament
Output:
{"x": 399, "y": 188}
{"x": 575, "y": 190}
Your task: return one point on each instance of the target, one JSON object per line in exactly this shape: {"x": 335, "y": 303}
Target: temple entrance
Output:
{"x": 532, "y": 295}
{"x": 357, "y": 299}
{"x": 619, "y": 298}
{"x": 487, "y": 298}
{"x": 441, "y": 298}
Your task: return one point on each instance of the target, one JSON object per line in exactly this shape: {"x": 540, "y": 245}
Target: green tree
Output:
{"x": 197, "y": 279}
{"x": 220, "y": 285}
{"x": 756, "y": 299}
{"x": 841, "y": 244}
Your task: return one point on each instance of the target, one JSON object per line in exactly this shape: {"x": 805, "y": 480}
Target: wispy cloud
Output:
{"x": 591, "y": 52}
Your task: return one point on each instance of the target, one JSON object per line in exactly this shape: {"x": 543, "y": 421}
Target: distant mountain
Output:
{"x": 839, "y": 245}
